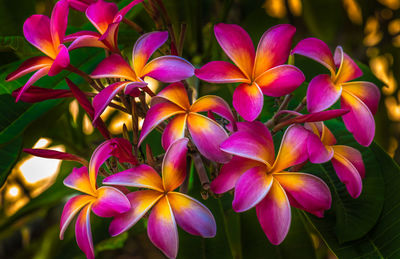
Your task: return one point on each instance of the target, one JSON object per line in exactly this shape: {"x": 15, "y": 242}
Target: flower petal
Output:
{"x": 318, "y": 153}
{"x": 251, "y": 188}
{"x": 110, "y": 36}
{"x": 78, "y": 179}
{"x": 348, "y": 69}
{"x": 141, "y": 176}
{"x": 177, "y": 94}
{"x": 110, "y": 202}
{"x": 87, "y": 41}
{"x": 168, "y": 69}
{"x": 316, "y": 116}
{"x": 174, "y": 165}
{"x": 306, "y": 192}
{"x": 80, "y": 5}
{"x": 175, "y": 130}
{"x": 367, "y": 92}
{"x": 101, "y": 14}
{"x": 359, "y": 121}
{"x": 41, "y": 39}
{"x": 273, "y": 213}
{"x": 280, "y": 80}
{"x": 202, "y": 130}
{"x": 35, "y": 77}
{"x": 83, "y": 232}
{"x": 141, "y": 202}
{"x": 61, "y": 61}
{"x": 248, "y": 101}
{"x": 29, "y": 66}
{"x": 347, "y": 174}
{"x": 114, "y": 66}
{"x": 192, "y": 216}
{"x": 71, "y": 208}
{"x": 36, "y": 94}
{"x": 322, "y": 93}
{"x": 215, "y": 104}
{"x": 273, "y": 48}
{"x": 53, "y": 154}
{"x": 58, "y": 22}
{"x": 161, "y": 228}
{"x": 145, "y": 46}
{"x": 155, "y": 115}
{"x": 230, "y": 173}
{"x": 353, "y": 156}
{"x": 293, "y": 149}
{"x": 237, "y": 45}
{"x": 317, "y": 50}
{"x": 221, "y": 72}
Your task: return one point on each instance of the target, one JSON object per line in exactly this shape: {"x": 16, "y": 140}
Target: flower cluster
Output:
{"x": 242, "y": 148}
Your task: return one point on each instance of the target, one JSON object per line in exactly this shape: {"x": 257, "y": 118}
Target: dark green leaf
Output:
{"x": 8, "y": 156}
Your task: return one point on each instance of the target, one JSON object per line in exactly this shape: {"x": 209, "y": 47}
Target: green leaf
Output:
{"x": 18, "y": 45}
{"x": 112, "y": 243}
{"x": 9, "y": 154}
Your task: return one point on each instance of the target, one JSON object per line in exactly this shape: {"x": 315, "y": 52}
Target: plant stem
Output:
{"x": 133, "y": 25}
{"x": 270, "y": 123}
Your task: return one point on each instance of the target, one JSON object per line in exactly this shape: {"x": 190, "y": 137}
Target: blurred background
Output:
{"x": 31, "y": 198}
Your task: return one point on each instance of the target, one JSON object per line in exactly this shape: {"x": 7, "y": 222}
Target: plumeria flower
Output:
{"x": 346, "y": 161}
{"x": 261, "y": 180}
{"x": 167, "y": 68}
{"x": 81, "y": 5}
{"x": 106, "y": 18}
{"x": 205, "y": 133}
{"x": 105, "y": 201}
{"x": 359, "y": 97}
{"x": 46, "y": 34}
{"x": 169, "y": 207}
{"x": 260, "y": 72}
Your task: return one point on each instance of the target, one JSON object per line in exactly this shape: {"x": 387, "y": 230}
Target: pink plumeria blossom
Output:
{"x": 359, "y": 97}
{"x": 169, "y": 207}
{"x": 260, "y": 72}
{"x": 46, "y": 34}
{"x": 167, "y": 69}
{"x": 36, "y": 94}
{"x": 261, "y": 180}
{"x": 106, "y": 18}
{"x": 105, "y": 201}
{"x": 173, "y": 101}
{"x": 346, "y": 161}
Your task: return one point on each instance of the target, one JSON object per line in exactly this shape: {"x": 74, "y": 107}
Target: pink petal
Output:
{"x": 87, "y": 41}
{"x": 318, "y": 153}
{"x": 348, "y": 69}
{"x": 83, "y": 232}
{"x": 114, "y": 66}
{"x": 110, "y": 36}
{"x": 317, "y": 116}
{"x": 39, "y": 74}
{"x": 41, "y": 39}
{"x": 237, "y": 44}
{"x": 215, "y": 104}
{"x": 231, "y": 172}
{"x": 110, "y": 202}
{"x": 353, "y": 156}
{"x": 80, "y": 5}
{"x": 141, "y": 202}
{"x": 273, "y": 213}
{"x": 273, "y": 48}
{"x": 322, "y": 93}
{"x": 145, "y": 46}
{"x": 61, "y": 61}
{"x": 359, "y": 121}
{"x": 71, "y": 208}
{"x": 192, "y": 216}
{"x": 251, "y": 188}
{"x": 168, "y": 69}
{"x": 161, "y": 228}
{"x": 347, "y": 174}
{"x": 122, "y": 149}
{"x": 58, "y": 22}
{"x": 29, "y": 66}
{"x": 202, "y": 130}
{"x": 317, "y": 50}
{"x": 177, "y": 94}
{"x": 306, "y": 192}
{"x": 156, "y": 115}
{"x": 73, "y": 36}
{"x": 221, "y": 72}
{"x": 324, "y": 134}
{"x": 248, "y": 101}
{"x": 53, "y": 154}
{"x": 367, "y": 92}
{"x": 174, "y": 165}
{"x": 78, "y": 179}
{"x": 280, "y": 80}
{"x": 36, "y": 94}
{"x": 175, "y": 130}
{"x": 293, "y": 149}
{"x": 101, "y": 14}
